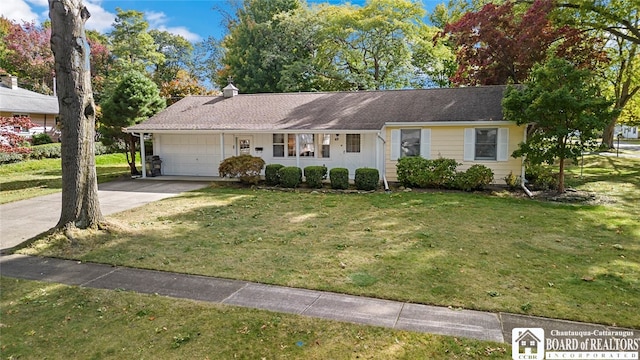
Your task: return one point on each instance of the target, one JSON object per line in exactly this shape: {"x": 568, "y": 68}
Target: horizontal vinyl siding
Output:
{"x": 448, "y": 142}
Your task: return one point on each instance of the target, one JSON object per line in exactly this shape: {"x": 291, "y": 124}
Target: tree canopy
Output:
{"x": 566, "y": 109}
{"x": 135, "y": 98}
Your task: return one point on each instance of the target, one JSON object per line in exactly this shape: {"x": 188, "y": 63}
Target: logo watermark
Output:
{"x": 540, "y": 344}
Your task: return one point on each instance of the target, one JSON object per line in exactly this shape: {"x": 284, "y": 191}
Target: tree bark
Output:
{"x": 80, "y": 203}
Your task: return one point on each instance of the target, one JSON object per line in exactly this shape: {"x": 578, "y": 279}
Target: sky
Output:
{"x": 195, "y": 20}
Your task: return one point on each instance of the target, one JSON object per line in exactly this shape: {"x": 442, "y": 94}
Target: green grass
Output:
{"x": 33, "y": 178}
{"x": 496, "y": 253}
{"x": 51, "y": 321}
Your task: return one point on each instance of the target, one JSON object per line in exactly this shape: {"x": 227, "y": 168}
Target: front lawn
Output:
{"x": 475, "y": 251}
{"x": 51, "y": 321}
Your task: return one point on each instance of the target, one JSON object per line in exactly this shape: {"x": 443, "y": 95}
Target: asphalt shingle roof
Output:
{"x": 364, "y": 110}
{"x": 26, "y": 102}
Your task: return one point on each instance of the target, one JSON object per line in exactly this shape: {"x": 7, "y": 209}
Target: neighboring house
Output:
{"x": 336, "y": 129}
{"x": 626, "y": 131}
{"x": 15, "y": 101}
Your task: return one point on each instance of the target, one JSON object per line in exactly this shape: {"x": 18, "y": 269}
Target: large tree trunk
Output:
{"x": 80, "y": 204}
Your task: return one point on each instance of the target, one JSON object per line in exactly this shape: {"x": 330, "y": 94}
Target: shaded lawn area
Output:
{"x": 578, "y": 262}
{"x": 51, "y": 321}
{"x": 31, "y": 178}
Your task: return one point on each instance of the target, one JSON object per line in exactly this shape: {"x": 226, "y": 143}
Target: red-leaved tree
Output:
{"x": 500, "y": 44}
{"x": 30, "y": 56}
{"x": 10, "y": 141}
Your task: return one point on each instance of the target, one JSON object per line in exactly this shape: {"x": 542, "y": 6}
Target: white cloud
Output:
{"x": 18, "y": 11}
{"x": 158, "y": 20}
{"x": 101, "y": 20}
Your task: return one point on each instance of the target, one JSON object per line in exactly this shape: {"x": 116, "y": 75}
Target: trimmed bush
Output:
{"x": 11, "y": 157}
{"x": 416, "y": 171}
{"x": 271, "y": 174}
{"x": 245, "y": 167}
{"x": 512, "y": 181}
{"x": 475, "y": 178}
{"x": 290, "y": 176}
{"x": 47, "y": 151}
{"x": 339, "y": 178}
{"x": 41, "y": 139}
{"x": 540, "y": 177}
{"x": 314, "y": 175}
{"x": 367, "y": 179}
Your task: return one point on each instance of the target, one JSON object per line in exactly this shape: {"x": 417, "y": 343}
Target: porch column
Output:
{"x": 297, "y": 149}
{"x": 142, "y": 156}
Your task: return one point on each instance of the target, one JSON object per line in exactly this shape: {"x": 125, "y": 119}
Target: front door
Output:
{"x": 244, "y": 145}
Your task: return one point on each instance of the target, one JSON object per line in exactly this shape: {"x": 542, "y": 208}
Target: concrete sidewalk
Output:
{"x": 22, "y": 220}
{"x": 354, "y": 309}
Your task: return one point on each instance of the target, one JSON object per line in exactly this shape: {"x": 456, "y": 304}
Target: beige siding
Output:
{"x": 448, "y": 142}
{"x": 38, "y": 119}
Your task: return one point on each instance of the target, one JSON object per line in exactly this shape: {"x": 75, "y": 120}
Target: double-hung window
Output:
{"x": 486, "y": 144}
{"x": 278, "y": 145}
{"x": 353, "y": 143}
{"x": 409, "y": 142}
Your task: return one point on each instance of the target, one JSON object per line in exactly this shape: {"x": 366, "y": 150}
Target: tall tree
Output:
{"x": 370, "y": 47}
{"x": 619, "y": 20}
{"x": 29, "y": 56}
{"x": 131, "y": 43}
{"x": 177, "y": 53}
{"x": 206, "y": 63}
{"x": 134, "y": 99}
{"x": 181, "y": 86}
{"x": 252, "y": 53}
{"x": 561, "y": 102}
{"x": 80, "y": 203}
{"x": 500, "y": 44}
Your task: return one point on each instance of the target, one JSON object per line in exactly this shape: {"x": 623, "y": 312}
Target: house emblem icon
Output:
{"x": 527, "y": 343}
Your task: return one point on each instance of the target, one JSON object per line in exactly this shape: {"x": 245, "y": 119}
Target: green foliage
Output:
{"x": 245, "y": 167}
{"x": 512, "y": 181}
{"x": 540, "y": 177}
{"x": 475, "y": 178}
{"x": 314, "y": 175}
{"x": 290, "y": 176}
{"x": 40, "y": 139}
{"x": 367, "y": 179}
{"x": 339, "y": 178}
{"x": 271, "y": 174}
{"x": 415, "y": 171}
{"x": 561, "y": 101}
{"x": 131, "y": 44}
{"x": 46, "y": 151}
{"x": 10, "y": 157}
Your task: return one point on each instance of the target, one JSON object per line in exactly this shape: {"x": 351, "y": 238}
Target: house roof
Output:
{"x": 23, "y": 101}
{"x": 333, "y": 111}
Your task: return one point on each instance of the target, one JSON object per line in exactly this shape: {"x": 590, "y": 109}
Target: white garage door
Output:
{"x": 189, "y": 155}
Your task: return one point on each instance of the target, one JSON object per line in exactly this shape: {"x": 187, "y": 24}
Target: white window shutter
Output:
{"x": 425, "y": 143}
{"x": 395, "y": 144}
{"x": 469, "y": 144}
{"x": 503, "y": 144}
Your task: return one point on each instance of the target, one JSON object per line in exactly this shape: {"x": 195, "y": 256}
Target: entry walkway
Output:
{"x": 354, "y": 309}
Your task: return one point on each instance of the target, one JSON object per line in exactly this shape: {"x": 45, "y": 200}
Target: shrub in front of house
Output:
{"x": 271, "y": 174}
{"x": 339, "y": 178}
{"x": 413, "y": 171}
{"x": 367, "y": 179}
{"x": 314, "y": 175}
{"x": 46, "y": 151}
{"x": 290, "y": 176}
{"x": 11, "y": 157}
{"x": 475, "y": 178}
{"x": 245, "y": 167}
{"x": 419, "y": 172}
{"x": 512, "y": 181}
{"x": 41, "y": 139}
{"x": 540, "y": 177}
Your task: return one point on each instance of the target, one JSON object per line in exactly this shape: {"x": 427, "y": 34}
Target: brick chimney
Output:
{"x": 10, "y": 81}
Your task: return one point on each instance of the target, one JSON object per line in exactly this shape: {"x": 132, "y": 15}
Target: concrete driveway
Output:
{"x": 22, "y": 220}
